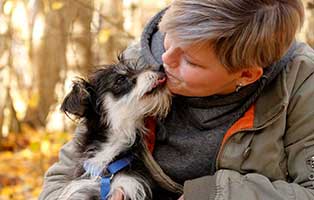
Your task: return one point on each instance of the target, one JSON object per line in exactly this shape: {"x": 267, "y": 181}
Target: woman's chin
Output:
{"x": 178, "y": 91}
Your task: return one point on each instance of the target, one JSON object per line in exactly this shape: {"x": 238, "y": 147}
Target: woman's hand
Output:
{"x": 181, "y": 198}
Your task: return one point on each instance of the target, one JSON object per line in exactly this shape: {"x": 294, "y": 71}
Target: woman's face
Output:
{"x": 195, "y": 70}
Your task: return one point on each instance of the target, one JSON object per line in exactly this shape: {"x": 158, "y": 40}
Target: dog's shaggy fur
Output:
{"x": 113, "y": 105}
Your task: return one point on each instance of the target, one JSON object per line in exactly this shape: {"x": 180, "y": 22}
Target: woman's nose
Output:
{"x": 171, "y": 57}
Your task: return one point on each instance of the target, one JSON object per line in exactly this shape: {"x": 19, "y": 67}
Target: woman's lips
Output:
{"x": 170, "y": 76}
{"x": 171, "y": 79}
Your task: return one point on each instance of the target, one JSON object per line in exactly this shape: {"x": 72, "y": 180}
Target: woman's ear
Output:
{"x": 249, "y": 75}
{"x": 78, "y": 100}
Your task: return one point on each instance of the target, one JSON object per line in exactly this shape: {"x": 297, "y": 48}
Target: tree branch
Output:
{"x": 105, "y": 17}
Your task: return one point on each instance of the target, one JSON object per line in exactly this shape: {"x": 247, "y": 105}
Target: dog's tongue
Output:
{"x": 162, "y": 80}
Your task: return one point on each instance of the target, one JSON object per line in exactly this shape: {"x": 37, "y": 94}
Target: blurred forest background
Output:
{"x": 44, "y": 44}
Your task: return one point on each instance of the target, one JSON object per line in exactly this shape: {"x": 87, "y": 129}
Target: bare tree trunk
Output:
{"x": 82, "y": 40}
{"x": 8, "y": 115}
{"x": 2, "y": 107}
{"x": 14, "y": 124}
{"x": 3, "y": 82}
{"x": 117, "y": 40}
{"x": 50, "y": 57}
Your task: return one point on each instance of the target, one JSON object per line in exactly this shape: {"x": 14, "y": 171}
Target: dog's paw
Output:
{"x": 132, "y": 187}
{"x": 94, "y": 166}
{"x": 81, "y": 189}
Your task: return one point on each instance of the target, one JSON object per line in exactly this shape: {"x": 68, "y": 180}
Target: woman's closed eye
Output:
{"x": 191, "y": 63}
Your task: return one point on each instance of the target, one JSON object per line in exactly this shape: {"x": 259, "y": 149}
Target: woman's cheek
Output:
{"x": 191, "y": 76}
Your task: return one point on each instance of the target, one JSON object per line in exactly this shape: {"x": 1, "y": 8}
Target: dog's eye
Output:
{"x": 134, "y": 81}
{"x": 120, "y": 80}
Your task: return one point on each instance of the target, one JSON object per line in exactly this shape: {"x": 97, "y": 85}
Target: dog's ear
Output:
{"x": 78, "y": 101}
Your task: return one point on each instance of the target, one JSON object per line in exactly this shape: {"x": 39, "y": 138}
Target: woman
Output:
{"x": 241, "y": 124}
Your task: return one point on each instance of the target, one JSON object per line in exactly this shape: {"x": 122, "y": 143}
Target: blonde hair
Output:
{"x": 243, "y": 33}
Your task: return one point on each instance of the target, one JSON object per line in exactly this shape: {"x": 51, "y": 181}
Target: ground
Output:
{"x": 24, "y": 158}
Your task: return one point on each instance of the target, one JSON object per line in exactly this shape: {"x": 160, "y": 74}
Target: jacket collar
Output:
{"x": 275, "y": 97}
{"x": 271, "y": 103}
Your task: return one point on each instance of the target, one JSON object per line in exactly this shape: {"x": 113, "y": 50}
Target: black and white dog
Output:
{"x": 112, "y": 105}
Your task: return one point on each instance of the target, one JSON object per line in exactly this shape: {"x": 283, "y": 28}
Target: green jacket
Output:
{"x": 267, "y": 154}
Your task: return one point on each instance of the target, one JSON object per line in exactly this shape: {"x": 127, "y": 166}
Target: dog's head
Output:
{"x": 118, "y": 94}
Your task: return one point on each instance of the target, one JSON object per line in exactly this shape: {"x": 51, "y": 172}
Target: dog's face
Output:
{"x": 119, "y": 94}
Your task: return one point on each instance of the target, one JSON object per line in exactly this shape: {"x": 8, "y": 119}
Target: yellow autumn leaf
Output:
{"x": 57, "y": 5}
{"x": 7, "y": 191}
{"x": 6, "y": 155}
{"x": 35, "y": 146}
{"x": 33, "y": 101}
{"x": 104, "y": 35}
{"x": 45, "y": 147}
{"x": 36, "y": 191}
{"x": 26, "y": 153}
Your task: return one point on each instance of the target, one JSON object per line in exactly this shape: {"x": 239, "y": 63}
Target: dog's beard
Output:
{"x": 126, "y": 114}
{"x": 122, "y": 110}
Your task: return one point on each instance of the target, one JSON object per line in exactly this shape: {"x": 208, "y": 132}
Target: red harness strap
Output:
{"x": 150, "y": 138}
